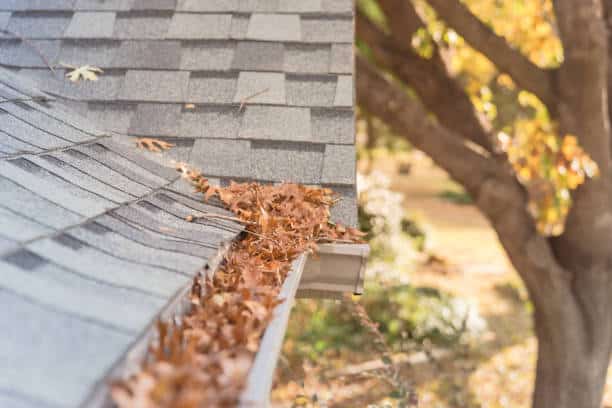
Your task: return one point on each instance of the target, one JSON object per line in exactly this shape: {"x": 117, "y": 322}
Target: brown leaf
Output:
{"x": 153, "y": 145}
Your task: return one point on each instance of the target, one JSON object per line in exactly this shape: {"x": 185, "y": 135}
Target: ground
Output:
{"x": 494, "y": 370}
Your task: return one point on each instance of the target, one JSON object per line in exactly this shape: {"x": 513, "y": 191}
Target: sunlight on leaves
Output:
{"x": 550, "y": 167}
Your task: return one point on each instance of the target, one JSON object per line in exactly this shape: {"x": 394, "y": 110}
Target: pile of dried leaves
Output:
{"x": 203, "y": 361}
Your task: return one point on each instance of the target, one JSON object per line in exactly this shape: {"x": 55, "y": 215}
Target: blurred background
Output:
{"x": 445, "y": 320}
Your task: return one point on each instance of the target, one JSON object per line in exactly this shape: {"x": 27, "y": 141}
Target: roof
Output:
{"x": 291, "y": 61}
{"x": 93, "y": 244}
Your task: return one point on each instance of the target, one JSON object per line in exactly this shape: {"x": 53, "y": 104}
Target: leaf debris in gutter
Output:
{"x": 204, "y": 359}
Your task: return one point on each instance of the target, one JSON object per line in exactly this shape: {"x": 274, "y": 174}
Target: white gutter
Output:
{"x": 259, "y": 382}
{"x": 335, "y": 269}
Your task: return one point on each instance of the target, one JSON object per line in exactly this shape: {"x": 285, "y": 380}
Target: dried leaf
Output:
{"x": 85, "y": 72}
{"x": 153, "y": 145}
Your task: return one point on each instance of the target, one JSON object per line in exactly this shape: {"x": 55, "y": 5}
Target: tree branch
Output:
{"x": 436, "y": 89}
{"x": 495, "y": 188}
{"x": 390, "y": 103}
{"x": 510, "y": 60}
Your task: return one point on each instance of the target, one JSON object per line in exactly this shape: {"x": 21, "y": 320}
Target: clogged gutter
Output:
{"x": 204, "y": 359}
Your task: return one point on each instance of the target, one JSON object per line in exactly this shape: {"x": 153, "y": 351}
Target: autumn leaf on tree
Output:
{"x": 152, "y": 145}
{"x": 85, "y": 72}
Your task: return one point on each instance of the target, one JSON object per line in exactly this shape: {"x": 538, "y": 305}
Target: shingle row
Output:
{"x": 178, "y": 26}
{"x": 282, "y": 123}
{"x": 182, "y": 55}
{"x": 275, "y": 161}
{"x": 240, "y": 6}
{"x": 205, "y": 88}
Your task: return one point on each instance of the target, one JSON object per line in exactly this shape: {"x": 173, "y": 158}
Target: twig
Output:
{"x": 32, "y": 99}
{"x": 244, "y": 100}
{"x": 192, "y": 218}
{"x": 31, "y": 45}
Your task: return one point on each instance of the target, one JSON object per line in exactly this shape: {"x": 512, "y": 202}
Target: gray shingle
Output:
{"x": 91, "y": 25}
{"x": 16, "y": 145}
{"x": 48, "y": 4}
{"x": 135, "y": 156}
{"x": 44, "y": 121}
{"x": 4, "y": 19}
{"x": 212, "y": 88}
{"x": 99, "y": 53}
{"x": 113, "y": 116}
{"x": 78, "y": 353}
{"x": 259, "y": 56}
{"x": 145, "y": 214}
{"x": 200, "y": 26}
{"x": 207, "y": 5}
{"x": 208, "y": 56}
{"x": 44, "y": 79}
{"x": 103, "y": 238}
{"x": 307, "y": 58}
{"x": 311, "y": 90}
{"x": 31, "y": 205}
{"x": 344, "y": 91}
{"x": 39, "y": 24}
{"x": 341, "y": 59}
{"x": 240, "y": 26}
{"x": 302, "y": 6}
{"x": 103, "y": 173}
{"x": 54, "y": 189}
{"x": 249, "y": 6}
{"x": 79, "y": 178}
{"x": 154, "y": 5}
{"x": 98, "y": 265}
{"x": 284, "y": 161}
{"x": 20, "y": 84}
{"x": 28, "y": 133}
{"x": 21, "y": 54}
{"x": 345, "y": 211}
{"x": 24, "y": 259}
{"x": 106, "y": 88}
{"x": 269, "y": 86}
{"x": 274, "y": 27}
{"x": 327, "y": 30}
{"x": 119, "y": 5}
{"x": 276, "y": 123}
{"x": 19, "y": 228}
{"x": 147, "y": 55}
{"x": 153, "y": 239}
{"x": 155, "y": 120}
{"x": 211, "y": 122}
{"x": 121, "y": 165}
{"x": 338, "y": 6}
{"x": 20, "y": 401}
{"x": 333, "y": 126}
{"x": 339, "y": 164}
{"x": 155, "y": 86}
{"x": 142, "y": 25}
{"x": 217, "y": 157}
{"x": 65, "y": 291}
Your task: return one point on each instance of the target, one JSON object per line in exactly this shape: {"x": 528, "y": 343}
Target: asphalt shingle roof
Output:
{"x": 93, "y": 244}
{"x": 93, "y": 241}
{"x": 289, "y": 63}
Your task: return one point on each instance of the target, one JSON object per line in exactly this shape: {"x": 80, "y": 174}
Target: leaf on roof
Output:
{"x": 85, "y": 72}
{"x": 152, "y": 145}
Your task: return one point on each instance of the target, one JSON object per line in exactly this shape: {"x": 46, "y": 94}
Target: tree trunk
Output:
{"x": 568, "y": 374}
